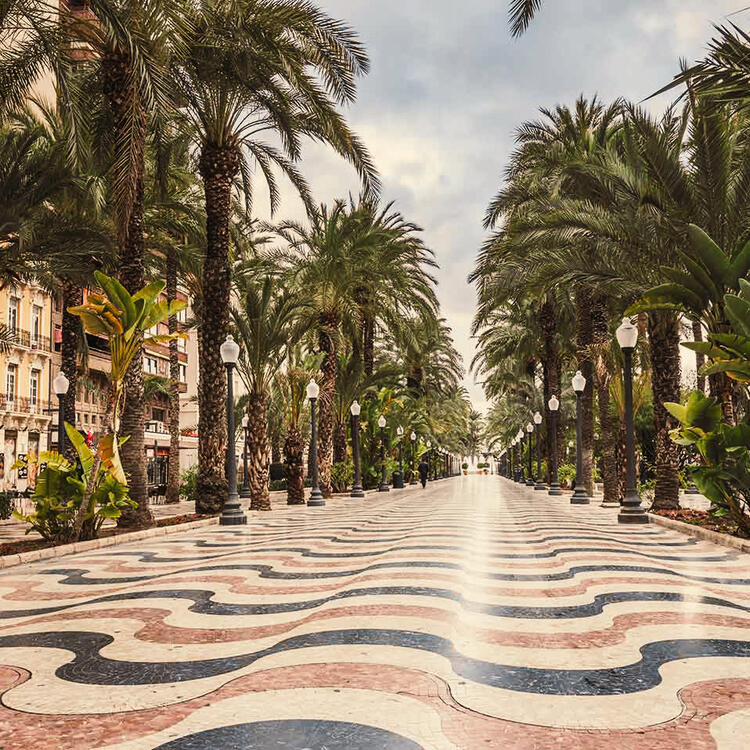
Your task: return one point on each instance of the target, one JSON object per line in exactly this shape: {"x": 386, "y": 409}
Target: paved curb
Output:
{"x": 10, "y": 561}
{"x": 743, "y": 545}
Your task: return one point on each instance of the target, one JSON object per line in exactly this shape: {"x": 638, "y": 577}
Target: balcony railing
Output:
{"x": 31, "y": 341}
{"x": 22, "y": 405}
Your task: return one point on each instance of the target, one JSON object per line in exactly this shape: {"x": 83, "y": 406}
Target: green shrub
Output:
{"x": 187, "y": 483}
{"x": 464, "y": 466}
{"x": 342, "y": 475}
{"x": 6, "y": 506}
{"x": 277, "y": 484}
{"x": 62, "y": 487}
{"x": 566, "y": 473}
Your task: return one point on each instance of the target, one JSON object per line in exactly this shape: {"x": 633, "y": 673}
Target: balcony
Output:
{"x": 22, "y": 405}
{"x": 27, "y": 340}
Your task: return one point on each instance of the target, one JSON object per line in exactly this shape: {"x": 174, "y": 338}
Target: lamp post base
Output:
{"x": 232, "y": 514}
{"x": 632, "y": 512}
{"x": 529, "y": 482}
{"x": 384, "y": 488}
{"x": 413, "y": 479}
{"x": 316, "y": 499}
{"x": 245, "y": 492}
{"x": 398, "y": 481}
{"x": 555, "y": 489}
{"x": 610, "y": 504}
{"x": 540, "y": 486}
{"x": 692, "y": 490}
{"x": 357, "y": 491}
{"x": 580, "y": 497}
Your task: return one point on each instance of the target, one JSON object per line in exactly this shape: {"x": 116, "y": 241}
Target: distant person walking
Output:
{"x": 423, "y": 470}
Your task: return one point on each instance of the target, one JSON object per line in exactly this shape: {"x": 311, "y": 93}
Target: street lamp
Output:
{"x": 316, "y": 496}
{"x": 413, "y": 438}
{"x": 519, "y": 457}
{"x": 357, "y": 490}
{"x": 231, "y": 514}
{"x": 631, "y": 511}
{"x": 398, "y": 484}
{"x": 245, "y": 491}
{"x": 383, "y": 483}
{"x": 540, "y": 485}
{"x": 579, "y": 497}
{"x": 530, "y": 431}
{"x": 429, "y": 458}
{"x": 554, "y": 484}
{"x": 60, "y": 385}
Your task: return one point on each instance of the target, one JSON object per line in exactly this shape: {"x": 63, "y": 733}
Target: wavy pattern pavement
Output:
{"x": 473, "y": 614}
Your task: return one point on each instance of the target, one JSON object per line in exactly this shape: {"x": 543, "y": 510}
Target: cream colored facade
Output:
{"x": 25, "y": 415}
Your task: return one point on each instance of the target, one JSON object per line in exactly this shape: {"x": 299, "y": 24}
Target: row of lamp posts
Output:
{"x": 631, "y": 510}
{"x": 232, "y": 514}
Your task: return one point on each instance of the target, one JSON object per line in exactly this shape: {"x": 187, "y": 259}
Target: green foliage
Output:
{"x": 566, "y": 473}
{"x": 61, "y": 489}
{"x": 6, "y": 506}
{"x": 724, "y": 474}
{"x": 464, "y": 466}
{"x": 342, "y": 476}
{"x": 188, "y": 482}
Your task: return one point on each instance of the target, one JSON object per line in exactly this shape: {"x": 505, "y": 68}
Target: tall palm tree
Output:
{"x": 120, "y": 50}
{"x": 255, "y": 67}
{"x": 268, "y": 320}
{"x": 521, "y": 14}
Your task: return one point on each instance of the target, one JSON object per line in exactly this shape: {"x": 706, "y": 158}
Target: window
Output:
{"x": 36, "y": 324}
{"x": 85, "y": 418}
{"x": 183, "y": 373}
{"x": 34, "y": 392}
{"x": 150, "y": 365}
{"x": 13, "y": 314}
{"x": 181, "y": 344}
{"x": 158, "y": 415}
{"x": 11, "y": 375}
{"x": 182, "y": 316}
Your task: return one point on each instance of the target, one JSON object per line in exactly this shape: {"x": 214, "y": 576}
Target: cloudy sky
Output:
{"x": 448, "y": 87}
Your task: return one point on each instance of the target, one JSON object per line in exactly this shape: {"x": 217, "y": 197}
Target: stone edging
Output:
{"x": 9, "y": 561}
{"x": 725, "y": 540}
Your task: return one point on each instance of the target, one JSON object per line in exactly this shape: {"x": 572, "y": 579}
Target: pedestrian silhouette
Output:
{"x": 423, "y": 469}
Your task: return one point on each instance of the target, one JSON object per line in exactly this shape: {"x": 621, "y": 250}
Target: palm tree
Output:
{"x": 254, "y": 67}
{"x": 268, "y": 321}
{"x": 121, "y": 52}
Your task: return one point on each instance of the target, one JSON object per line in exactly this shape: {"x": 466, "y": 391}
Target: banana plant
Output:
{"x": 699, "y": 290}
{"x": 124, "y": 320}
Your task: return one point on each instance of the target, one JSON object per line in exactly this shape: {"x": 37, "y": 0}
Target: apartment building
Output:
{"x": 26, "y": 372}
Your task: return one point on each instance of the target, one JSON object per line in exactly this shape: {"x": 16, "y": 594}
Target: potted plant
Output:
{"x": 465, "y": 467}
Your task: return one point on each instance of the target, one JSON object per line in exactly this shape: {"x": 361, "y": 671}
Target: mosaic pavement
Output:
{"x": 475, "y": 614}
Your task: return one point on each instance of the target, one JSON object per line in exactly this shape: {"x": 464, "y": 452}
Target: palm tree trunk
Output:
{"x": 72, "y": 295}
{"x": 218, "y": 166}
{"x": 700, "y": 359}
{"x": 602, "y": 378}
{"x": 257, "y": 450}
{"x": 129, "y": 137}
{"x": 173, "y": 471}
{"x": 368, "y": 342}
{"x": 551, "y": 366}
{"x": 664, "y": 337}
{"x": 722, "y": 389}
{"x": 339, "y": 442}
{"x": 585, "y": 339}
{"x": 329, "y": 325}
{"x": 294, "y": 450}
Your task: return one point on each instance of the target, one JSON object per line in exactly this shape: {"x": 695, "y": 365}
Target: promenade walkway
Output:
{"x": 474, "y": 614}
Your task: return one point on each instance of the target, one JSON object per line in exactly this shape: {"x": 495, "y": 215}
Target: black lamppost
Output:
{"x": 60, "y": 385}
{"x": 579, "y": 497}
{"x": 383, "y": 483}
{"x": 413, "y": 438}
{"x": 232, "y": 514}
{"x": 554, "y": 484}
{"x": 245, "y": 491}
{"x": 398, "y": 480}
{"x": 631, "y": 511}
{"x": 316, "y": 496}
{"x": 530, "y": 432}
{"x": 540, "y": 485}
{"x": 429, "y": 459}
{"x": 519, "y": 457}
{"x": 357, "y": 490}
